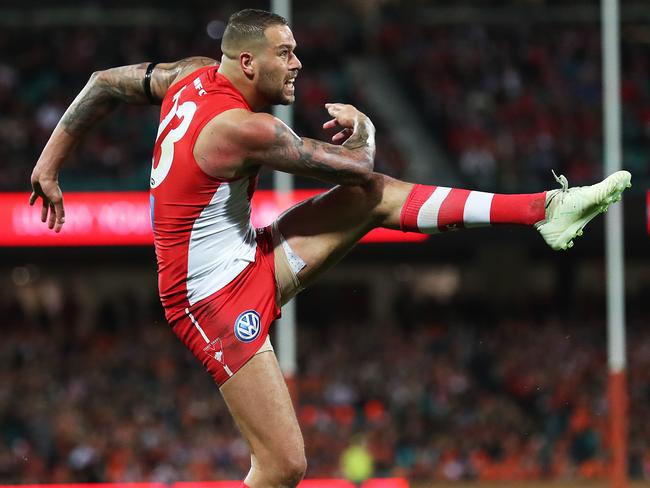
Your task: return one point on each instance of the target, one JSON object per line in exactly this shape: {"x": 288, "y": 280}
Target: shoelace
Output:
{"x": 561, "y": 180}
{"x": 563, "y": 191}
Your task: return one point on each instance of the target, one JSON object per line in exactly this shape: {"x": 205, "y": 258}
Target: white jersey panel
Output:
{"x": 222, "y": 242}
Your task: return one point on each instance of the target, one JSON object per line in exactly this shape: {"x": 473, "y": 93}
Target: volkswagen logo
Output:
{"x": 247, "y": 326}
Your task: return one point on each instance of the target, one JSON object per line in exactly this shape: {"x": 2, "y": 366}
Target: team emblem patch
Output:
{"x": 215, "y": 350}
{"x": 247, "y": 326}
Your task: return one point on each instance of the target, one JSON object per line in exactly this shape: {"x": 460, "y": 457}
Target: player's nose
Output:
{"x": 295, "y": 63}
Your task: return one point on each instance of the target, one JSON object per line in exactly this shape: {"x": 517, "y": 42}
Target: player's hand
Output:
{"x": 345, "y": 116}
{"x": 46, "y": 187}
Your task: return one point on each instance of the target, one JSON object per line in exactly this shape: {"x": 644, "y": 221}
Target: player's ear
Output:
{"x": 246, "y": 62}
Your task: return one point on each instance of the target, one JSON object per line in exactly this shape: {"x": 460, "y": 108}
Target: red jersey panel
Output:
{"x": 202, "y": 230}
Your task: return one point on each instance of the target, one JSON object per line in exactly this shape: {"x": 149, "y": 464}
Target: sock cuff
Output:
{"x": 524, "y": 209}
{"x": 408, "y": 219}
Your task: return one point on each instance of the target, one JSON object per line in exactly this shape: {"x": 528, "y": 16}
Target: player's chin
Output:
{"x": 286, "y": 99}
{"x": 288, "y": 94}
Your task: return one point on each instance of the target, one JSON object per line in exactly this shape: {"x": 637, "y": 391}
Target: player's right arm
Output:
{"x": 102, "y": 94}
{"x": 267, "y": 141}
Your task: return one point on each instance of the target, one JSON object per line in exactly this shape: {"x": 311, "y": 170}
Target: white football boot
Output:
{"x": 568, "y": 210}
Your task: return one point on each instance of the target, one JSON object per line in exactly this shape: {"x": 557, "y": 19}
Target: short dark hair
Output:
{"x": 247, "y": 25}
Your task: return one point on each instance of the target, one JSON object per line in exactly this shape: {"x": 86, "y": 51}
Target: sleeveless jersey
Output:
{"x": 202, "y": 230}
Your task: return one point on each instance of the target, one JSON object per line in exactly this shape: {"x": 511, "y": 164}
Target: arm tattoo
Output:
{"x": 101, "y": 96}
{"x": 340, "y": 164}
{"x": 308, "y": 158}
{"x": 107, "y": 89}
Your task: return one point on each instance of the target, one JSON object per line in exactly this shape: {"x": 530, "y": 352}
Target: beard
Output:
{"x": 274, "y": 89}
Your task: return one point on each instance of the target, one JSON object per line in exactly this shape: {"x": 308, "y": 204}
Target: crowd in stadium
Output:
{"x": 511, "y": 103}
{"x": 506, "y": 104}
{"x": 103, "y": 391}
{"x": 96, "y": 391}
{"x": 45, "y": 68}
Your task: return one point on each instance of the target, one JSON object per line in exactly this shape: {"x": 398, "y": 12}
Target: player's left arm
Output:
{"x": 106, "y": 90}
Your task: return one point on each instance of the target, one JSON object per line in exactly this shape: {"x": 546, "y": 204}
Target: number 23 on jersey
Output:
{"x": 172, "y": 128}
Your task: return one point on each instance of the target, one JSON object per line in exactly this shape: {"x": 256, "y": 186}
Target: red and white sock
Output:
{"x": 434, "y": 209}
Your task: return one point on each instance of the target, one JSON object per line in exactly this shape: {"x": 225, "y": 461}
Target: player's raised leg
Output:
{"x": 259, "y": 401}
{"x": 323, "y": 229}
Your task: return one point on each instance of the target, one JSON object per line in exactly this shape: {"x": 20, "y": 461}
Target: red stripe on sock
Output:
{"x": 243, "y": 485}
{"x": 408, "y": 219}
{"x": 451, "y": 212}
{"x": 525, "y": 209}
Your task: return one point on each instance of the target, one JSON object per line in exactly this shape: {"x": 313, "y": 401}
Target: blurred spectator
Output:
{"x": 357, "y": 463}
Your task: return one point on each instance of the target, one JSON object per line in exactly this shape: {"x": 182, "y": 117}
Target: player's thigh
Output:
{"x": 322, "y": 229}
{"x": 259, "y": 401}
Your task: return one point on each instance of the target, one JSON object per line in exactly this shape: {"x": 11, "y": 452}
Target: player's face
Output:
{"x": 278, "y": 66}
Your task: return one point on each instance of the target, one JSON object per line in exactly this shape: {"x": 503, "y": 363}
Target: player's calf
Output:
{"x": 435, "y": 209}
{"x": 559, "y": 215}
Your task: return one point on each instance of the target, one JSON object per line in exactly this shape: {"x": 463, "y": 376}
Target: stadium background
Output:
{"x": 474, "y": 356}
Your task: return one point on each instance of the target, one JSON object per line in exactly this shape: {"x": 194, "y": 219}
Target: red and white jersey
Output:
{"x": 201, "y": 224}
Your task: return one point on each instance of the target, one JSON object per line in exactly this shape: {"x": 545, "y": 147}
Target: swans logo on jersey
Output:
{"x": 215, "y": 350}
{"x": 247, "y": 326}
